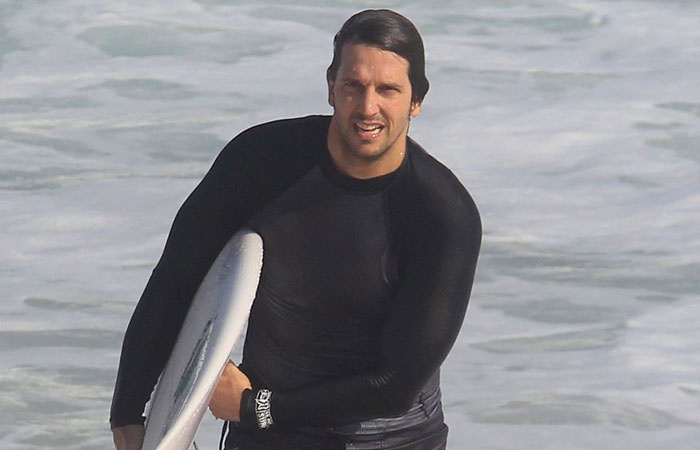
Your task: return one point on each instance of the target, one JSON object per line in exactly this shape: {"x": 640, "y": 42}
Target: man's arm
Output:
{"x": 251, "y": 170}
{"x": 437, "y": 272}
{"x": 204, "y": 223}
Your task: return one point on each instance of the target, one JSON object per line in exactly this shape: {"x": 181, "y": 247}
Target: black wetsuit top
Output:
{"x": 364, "y": 285}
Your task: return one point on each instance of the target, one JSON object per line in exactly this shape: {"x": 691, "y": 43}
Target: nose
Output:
{"x": 369, "y": 102}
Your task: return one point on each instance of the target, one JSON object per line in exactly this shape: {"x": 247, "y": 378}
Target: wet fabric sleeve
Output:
{"x": 251, "y": 170}
{"x": 159, "y": 314}
{"x": 439, "y": 238}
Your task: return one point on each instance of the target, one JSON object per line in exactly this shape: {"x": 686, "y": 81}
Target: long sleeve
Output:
{"x": 159, "y": 314}
{"x": 252, "y": 170}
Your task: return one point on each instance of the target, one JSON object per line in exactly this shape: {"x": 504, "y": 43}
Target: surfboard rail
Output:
{"x": 208, "y": 335}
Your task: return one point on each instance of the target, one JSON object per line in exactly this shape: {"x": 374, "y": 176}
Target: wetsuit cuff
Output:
{"x": 263, "y": 408}
{"x": 255, "y": 409}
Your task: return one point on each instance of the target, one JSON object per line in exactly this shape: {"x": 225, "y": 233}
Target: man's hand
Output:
{"x": 128, "y": 437}
{"x": 226, "y": 401}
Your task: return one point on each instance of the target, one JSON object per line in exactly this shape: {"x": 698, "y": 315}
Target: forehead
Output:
{"x": 363, "y": 61}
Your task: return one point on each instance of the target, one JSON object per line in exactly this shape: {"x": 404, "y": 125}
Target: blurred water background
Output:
{"x": 574, "y": 124}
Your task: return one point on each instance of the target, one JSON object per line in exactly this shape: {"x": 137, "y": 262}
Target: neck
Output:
{"x": 346, "y": 162}
{"x": 364, "y": 170}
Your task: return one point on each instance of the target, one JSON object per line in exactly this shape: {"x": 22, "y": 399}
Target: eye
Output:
{"x": 351, "y": 86}
{"x": 388, "y": 89}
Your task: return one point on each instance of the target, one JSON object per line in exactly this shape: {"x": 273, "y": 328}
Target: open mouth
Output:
{"x": 368, "y": 130}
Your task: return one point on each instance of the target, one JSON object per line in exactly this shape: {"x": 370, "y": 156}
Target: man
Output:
{"x": 370, "y": 252}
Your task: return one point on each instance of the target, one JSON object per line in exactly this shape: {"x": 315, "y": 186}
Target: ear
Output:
{"x": 415, "y": 109}
{"x": 331, "y": 96}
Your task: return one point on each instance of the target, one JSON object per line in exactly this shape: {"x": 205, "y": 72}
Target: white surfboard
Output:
{"x": 209, "y": 333}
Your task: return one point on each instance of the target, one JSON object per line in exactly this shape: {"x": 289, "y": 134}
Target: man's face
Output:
{"x": 371, "y": 97}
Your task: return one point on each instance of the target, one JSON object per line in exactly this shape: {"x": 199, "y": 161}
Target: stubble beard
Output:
{"x": 370, "y": 157}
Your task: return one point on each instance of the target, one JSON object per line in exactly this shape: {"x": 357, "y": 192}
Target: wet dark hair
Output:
{"x": 387, "y": 30}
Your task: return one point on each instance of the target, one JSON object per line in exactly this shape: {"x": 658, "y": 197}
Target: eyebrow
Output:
{"x": 357, "y": 82}
{"x": 391, "y": 86}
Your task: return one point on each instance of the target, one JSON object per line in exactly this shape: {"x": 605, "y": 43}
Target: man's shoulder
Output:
{"x": 431, "y": 204}
{"x": 435, "y": 182}
{"x": 295, "y": 141}
{"x": 286, "y": 131}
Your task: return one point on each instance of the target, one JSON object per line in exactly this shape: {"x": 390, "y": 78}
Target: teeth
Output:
{"x": 368, "y": 128}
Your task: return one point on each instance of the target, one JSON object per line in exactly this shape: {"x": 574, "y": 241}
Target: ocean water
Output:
{"x": 574, "y": 124}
